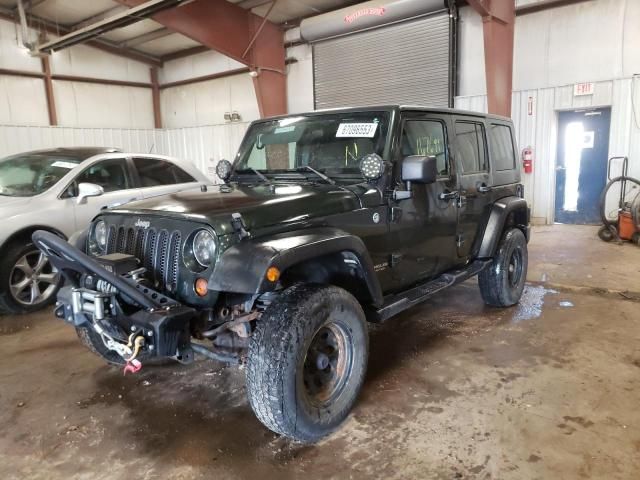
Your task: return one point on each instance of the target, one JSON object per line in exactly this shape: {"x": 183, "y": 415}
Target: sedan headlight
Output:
{"x": 204, "y": 248}
{"x": 100, "y": 236}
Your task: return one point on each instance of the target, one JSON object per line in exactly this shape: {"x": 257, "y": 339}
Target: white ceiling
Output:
{"x": 71, "y": 13}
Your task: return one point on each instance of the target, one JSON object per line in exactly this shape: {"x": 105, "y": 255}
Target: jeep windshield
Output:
{"x": 332, "y": 144}
{"x": 29, "y": 174}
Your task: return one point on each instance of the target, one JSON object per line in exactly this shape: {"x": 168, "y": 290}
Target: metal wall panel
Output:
{"x": 202, "y": 146}
{"x": 406, "y": 63}
{"x": 538, "y": 128}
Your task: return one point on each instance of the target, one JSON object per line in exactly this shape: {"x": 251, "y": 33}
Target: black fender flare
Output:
{"x": 242, "y": 267}
{"x": 79, "y": 240}
{"x": 500, "y": 212}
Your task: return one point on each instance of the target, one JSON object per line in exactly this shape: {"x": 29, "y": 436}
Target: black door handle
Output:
{"x": 484, "y": 188}
{"x": 449, "y": 195}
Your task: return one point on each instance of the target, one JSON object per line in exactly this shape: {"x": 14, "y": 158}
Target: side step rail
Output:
{"x": 399, "y": 302}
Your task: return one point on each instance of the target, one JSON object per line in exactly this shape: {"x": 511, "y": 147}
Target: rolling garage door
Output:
{"x": 410, "y": 62}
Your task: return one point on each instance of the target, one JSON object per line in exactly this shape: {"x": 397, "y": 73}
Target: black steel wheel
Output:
{"x": 307, "y": 361}
{"x": 327, "y": 364}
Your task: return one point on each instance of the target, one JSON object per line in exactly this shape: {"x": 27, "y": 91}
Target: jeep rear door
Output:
{"x": 474, "y": 181}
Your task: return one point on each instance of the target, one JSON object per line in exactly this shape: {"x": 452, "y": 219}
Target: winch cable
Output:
{"x": 136, "y": 345}
{"x": 134, "y": 365}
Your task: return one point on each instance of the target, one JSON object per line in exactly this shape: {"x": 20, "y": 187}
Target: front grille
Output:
{"x": 157, "y": 250}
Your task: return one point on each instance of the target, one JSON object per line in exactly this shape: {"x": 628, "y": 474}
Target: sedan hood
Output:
{"x": 260, "y": 205}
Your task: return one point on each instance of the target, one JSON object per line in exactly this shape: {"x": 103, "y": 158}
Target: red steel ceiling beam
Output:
{"x": 230, "y": 30}
{"x": 498, "y": 22}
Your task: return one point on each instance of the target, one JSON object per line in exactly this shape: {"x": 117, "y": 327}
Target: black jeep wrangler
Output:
{"x": 325, "y": 221}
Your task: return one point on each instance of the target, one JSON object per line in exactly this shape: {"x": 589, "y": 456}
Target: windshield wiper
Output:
{"x": 258, "y": 173}
{"x": 320, "y": 174}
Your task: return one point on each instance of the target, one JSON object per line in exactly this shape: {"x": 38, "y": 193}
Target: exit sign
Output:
{"x": 583, "y": 89}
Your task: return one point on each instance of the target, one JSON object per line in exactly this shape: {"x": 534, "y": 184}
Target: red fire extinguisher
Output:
{"x": 527, "y": 160}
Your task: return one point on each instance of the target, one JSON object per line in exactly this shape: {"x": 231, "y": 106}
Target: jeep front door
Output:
{"x": 474, "y": 182}
{"x": 423, "y": 227}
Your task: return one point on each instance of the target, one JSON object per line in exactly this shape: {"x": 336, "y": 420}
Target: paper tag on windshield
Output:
{"x": 62, "y": 164}
{"x": 357, "y": 130}
{"x": 284, "y": 129}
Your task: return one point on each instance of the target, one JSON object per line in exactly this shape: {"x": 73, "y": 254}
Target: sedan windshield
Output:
{"x": 332, "y": 144}
{"x": 29, "y": 174}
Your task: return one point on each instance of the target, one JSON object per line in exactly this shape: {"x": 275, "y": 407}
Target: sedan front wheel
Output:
{"x": 28, "y": 281}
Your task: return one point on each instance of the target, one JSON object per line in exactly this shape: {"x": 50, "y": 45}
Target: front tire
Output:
{"x": 502, "y": 282}
{"x": 28, "y": 281}
{"x": 307, "y": 361}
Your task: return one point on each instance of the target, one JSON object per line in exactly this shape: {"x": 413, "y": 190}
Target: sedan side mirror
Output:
{"x": 88, "y": 190}
{"x": 419, "y": 169}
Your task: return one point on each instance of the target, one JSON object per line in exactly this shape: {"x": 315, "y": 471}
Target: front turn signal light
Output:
{"x": 273, "y": 274}
{"x": 201, "y": 287}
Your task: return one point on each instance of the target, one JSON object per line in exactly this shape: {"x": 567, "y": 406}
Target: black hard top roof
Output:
{"x": 413, "y": 108}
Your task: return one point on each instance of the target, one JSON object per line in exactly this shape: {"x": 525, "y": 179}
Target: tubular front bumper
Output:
{"x": 122, "y": 309}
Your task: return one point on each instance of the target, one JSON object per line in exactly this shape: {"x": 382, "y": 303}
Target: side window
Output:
{"x": 501, "y": 148}
{"x": 154, "y": 172}
{"x": 111, "y": 175}
{"x": 427, "y": 138}
{"x": 471, "y": 146}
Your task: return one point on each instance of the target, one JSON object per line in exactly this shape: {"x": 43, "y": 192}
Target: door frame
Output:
{"x": 555, "y": 135}
{"x": 449, "y": 182}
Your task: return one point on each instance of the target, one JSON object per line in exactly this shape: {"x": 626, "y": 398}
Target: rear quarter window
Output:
{"x": 501, "y": 147}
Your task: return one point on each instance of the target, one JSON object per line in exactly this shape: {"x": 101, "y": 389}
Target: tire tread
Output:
{"x": 282, "y": 327}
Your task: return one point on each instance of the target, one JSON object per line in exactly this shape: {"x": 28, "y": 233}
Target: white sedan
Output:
{"x": 61, "y": 190}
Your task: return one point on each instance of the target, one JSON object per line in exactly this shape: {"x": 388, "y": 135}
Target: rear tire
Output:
{"x": 307, "y": 361}
{"x": 502, "y": 282}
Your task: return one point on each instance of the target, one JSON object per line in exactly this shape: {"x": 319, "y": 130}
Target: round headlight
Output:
{"x": 204, "y": 248}
{"x": 100, "y": 235}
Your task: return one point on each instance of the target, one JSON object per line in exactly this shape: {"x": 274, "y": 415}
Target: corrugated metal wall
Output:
{"x": 535, "y": 115}
{"x": 203, "y": 146}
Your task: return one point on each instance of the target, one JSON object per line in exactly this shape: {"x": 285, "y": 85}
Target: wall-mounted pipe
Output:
{"x": 24, "y": 28}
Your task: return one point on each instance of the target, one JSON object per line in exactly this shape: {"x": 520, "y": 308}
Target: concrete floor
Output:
{"x": 546, "y": 390}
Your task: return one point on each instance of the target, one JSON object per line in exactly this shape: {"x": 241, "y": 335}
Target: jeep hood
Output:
{"x": 260, "y": 205}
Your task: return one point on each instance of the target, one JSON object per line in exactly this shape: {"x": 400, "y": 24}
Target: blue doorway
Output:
{"x": 581, "y": 164}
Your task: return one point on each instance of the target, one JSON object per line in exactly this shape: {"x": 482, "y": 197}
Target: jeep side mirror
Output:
{"x": 419, "y": 169}
{"x": 88, "y": 190}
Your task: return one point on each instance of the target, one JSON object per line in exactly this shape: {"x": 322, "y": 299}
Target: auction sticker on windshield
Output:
{"x": 356, "y": 130}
